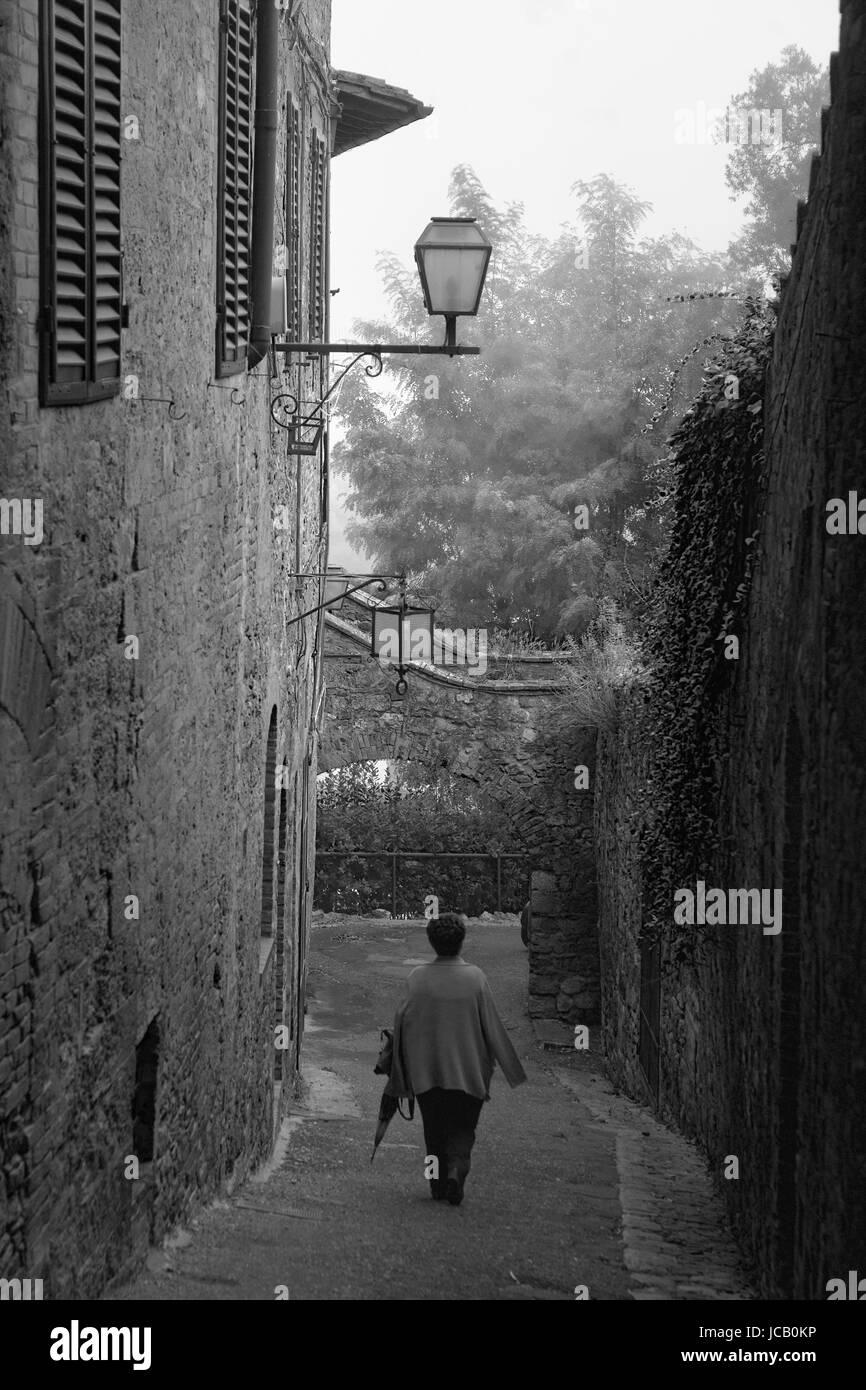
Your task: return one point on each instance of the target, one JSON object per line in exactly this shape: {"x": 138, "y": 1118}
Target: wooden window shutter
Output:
{"x": 80, "y": 135}
{"x": 294, "y": 173}
{"x": 234, "y": 187}
{"x": 317, "y": 238}
{"x": 106, "y": 137}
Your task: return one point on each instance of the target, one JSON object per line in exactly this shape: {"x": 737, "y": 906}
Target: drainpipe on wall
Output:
{"x": 264, "y": 179}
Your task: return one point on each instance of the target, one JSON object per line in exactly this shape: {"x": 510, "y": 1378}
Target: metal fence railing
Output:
{"x": 359, "y": 888}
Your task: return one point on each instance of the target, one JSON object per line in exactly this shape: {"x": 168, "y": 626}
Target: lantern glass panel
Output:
{"x": 454, "y": 279}
{"x": 452, "y": 256}
{"x": 402, "y": 635}
{"x": 386, "y": 635}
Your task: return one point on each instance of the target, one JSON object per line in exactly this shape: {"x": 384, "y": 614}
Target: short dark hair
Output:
{"x": 445, "y": 934}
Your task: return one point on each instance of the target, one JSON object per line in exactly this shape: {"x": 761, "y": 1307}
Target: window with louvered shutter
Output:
{"x": 234, "y": 191}
{"x": 317, "y": 238}
{"x": 294, "y": 170}
{"x": 80, "y": 134}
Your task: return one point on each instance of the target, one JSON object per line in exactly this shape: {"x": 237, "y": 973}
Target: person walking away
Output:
{"x": 447, "y": 1038}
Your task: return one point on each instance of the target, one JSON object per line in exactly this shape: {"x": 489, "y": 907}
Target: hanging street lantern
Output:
{"x": 401, "y": 635}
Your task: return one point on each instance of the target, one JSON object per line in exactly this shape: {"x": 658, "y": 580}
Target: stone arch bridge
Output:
{"x": 504, "y": 731}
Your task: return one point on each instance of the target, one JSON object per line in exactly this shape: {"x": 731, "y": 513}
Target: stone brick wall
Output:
{"x": 621, "y": 760}
{"x": 504, "y": 733}
{"x": 145, "y": 777}
{"x": 763, "y": 1040}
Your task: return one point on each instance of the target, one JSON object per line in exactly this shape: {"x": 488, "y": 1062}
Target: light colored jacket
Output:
{"x": 448, "y": 1033}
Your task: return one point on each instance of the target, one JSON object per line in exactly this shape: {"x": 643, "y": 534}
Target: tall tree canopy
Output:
{"x": 469, "y": 471}
{"x": 775, "y": 175}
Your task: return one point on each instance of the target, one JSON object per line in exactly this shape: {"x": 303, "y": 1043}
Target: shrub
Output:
{"x": 606, "y": 662}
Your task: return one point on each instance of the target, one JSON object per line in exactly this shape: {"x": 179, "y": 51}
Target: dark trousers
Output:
{"x": 449, "y": 1119}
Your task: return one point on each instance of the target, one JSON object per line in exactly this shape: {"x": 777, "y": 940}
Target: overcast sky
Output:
{"x": 534, "y": 95}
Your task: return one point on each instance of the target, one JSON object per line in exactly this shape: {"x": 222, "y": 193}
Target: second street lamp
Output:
{"x": 401, "y": 635}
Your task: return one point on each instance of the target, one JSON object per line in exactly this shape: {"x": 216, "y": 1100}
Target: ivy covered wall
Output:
{"x": 741, "y": 761}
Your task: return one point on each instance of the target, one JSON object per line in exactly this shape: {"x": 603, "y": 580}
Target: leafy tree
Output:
{"x": 470, "y": 470}
{"x": 405, "y": 807}
{"x": 776, "y": 174}
{"x": 411, "y": 809}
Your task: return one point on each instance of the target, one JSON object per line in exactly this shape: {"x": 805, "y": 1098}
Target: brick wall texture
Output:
{"x": 147, "y": 777}
{"x": 763, "y": 1044}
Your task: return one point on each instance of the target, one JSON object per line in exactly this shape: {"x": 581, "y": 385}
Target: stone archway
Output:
{"x": 499, "y": 731}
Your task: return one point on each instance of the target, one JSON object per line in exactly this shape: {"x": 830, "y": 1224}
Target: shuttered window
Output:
{"x": 234, "y": 187}
{"x": 80, "y": 134}
{"x": 294, "y": 174}
{"x": 317, "y": 238}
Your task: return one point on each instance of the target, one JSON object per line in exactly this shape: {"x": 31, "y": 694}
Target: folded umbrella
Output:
{"x": 396, "y": 1086}
{"x": 387, "y": 1109}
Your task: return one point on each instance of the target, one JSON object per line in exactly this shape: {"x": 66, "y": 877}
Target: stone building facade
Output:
{"x": 157, "y": 706}
{"x": 761, "y": 1043}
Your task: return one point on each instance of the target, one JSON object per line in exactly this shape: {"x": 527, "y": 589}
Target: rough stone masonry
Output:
{"x": 150, "y": 934}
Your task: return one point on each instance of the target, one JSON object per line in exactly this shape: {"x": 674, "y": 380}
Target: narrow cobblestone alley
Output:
{"x": 571, "y": 1184}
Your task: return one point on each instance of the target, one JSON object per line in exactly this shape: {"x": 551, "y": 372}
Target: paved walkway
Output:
{"x": 571, "y": 1186}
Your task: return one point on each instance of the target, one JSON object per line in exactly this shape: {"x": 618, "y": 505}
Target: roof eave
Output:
{"x": 370, "y": 109}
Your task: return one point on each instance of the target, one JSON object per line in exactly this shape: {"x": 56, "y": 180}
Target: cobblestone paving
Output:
{"x": 676, "y": 1243}
{"x": 573, "y": 1187}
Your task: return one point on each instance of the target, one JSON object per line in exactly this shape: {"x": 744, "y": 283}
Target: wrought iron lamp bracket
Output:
{"x": 373, "y": 581}
{"x": 287, "y": 404}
